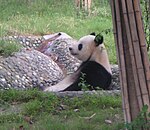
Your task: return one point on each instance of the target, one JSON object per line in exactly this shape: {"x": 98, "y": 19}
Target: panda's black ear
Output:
{"x": 98, "y": 39}
{"x": 93, "y": 33}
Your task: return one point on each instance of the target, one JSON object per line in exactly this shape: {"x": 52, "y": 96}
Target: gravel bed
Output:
{"x": 28, "y": 69}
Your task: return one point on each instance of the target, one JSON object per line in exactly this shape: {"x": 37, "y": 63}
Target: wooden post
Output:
{"x": 132, "y": 56}
{"x": 83, "y": 4}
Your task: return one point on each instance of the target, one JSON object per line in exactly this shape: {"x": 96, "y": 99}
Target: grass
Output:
{"x": 48, "y": 16}
{"x": 42, "y": 17}
{"x": 44, "y": 111}
{"x": 7, "y": 47}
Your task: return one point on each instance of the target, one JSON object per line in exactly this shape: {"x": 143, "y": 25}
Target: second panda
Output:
{"x": 95, "y": 66}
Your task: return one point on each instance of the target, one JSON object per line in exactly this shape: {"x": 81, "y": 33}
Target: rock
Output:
{"x": 20, "y": 70}
{"x": 115, "y": 78}
{"x": 25, "y": 40}
{"x": 62, "y": 36}
{"x": 59, "y": 52}
{"x": 108, "y": 121}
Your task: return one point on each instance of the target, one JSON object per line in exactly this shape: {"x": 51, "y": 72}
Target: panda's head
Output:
{"x": 85, "y": 47}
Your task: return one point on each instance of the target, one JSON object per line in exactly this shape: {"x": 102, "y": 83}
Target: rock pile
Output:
{"x": 115, "y": 78}
{"x": 26, "y": 41}
{"x": 28, "y": 69}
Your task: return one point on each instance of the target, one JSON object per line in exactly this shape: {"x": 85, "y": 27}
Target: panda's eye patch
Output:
{"x": 80, "y": 47}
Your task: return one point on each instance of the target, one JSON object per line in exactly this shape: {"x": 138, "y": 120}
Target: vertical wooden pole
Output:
{"x": 132, "y": 56}
{"x": 85, "y": 5}
{"x": 118, "y": 38}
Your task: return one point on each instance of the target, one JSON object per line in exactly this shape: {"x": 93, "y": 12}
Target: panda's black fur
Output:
{"x": 95, "y": 74}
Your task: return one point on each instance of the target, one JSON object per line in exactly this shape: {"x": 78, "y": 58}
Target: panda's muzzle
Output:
{"x": 72, "y": 52}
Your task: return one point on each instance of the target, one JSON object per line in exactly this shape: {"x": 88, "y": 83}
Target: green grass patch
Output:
{"x": 46, "y": 111}
{"x": 8, "y": 47}
{"x": 48, "y": 16}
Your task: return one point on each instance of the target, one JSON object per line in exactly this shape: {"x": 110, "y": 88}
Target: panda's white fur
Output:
{"x": 88, "y": 51}
{"x": 98, "y": 54}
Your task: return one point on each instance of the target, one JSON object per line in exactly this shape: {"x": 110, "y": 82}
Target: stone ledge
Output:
{"x": 72, "y": 94}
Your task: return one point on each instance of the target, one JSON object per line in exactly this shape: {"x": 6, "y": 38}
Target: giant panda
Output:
{"x": 95, "y": 65}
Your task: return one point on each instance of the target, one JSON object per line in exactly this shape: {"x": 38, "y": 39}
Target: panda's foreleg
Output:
{"x": 67, "y": 84}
